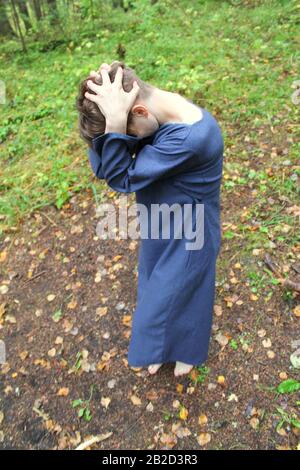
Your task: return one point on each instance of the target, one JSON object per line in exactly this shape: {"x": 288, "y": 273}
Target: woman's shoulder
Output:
{"x": 190, "y": 134}
{"x": 175, "y": 131}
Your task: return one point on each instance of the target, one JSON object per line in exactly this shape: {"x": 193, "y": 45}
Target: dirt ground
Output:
{"x": 65, "y": 318}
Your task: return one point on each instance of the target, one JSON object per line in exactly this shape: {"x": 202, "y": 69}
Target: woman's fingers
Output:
{"x": 90, "y": 96}
{"x": 104, "y": 66}
{"x": 105, "y": 77}
{"x": 92, "y": 86}
{"x": 135, "y": 89}
{"x": 119, "y": 77}
{"x": 94, "y": 74}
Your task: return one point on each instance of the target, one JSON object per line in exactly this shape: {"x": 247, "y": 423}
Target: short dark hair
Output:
{"x": 91, "y": 119}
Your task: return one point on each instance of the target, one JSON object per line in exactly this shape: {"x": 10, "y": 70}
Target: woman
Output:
{"x": 178, "y": 150}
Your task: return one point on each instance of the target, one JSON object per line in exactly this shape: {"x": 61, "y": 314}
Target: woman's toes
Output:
{"x": 181, "y": 368}
{"x": 153, "y": 368}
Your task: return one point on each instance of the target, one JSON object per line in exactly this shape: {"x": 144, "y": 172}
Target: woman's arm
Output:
{"x": 111, "y": 159}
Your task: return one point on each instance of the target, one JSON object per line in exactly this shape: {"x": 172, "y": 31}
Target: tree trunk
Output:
{"x": 37, "y": 9}
{"x": 17, "y": 23}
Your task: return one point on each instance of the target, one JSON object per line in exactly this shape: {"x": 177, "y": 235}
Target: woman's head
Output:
{"x": 91, "y": 119}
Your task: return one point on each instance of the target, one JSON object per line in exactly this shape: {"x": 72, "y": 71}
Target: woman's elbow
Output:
{"x": 120, "y": 185}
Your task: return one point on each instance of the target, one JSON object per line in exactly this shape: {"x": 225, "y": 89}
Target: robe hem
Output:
{"x": 166, "y": 361}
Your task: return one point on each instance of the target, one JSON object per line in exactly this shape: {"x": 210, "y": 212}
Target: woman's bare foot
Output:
{"x": 153, "y": 368}
{"x": 181, "y": 368}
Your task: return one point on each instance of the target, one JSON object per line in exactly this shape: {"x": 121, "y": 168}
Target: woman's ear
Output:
{"x": 139, "y": 110}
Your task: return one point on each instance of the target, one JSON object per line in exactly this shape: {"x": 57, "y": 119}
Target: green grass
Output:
{"x": 239, "y": 62}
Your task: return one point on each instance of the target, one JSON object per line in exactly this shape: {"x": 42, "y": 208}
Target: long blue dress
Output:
{"x": 179, "y": 163}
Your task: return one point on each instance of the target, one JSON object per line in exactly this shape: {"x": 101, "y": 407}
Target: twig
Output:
{"x": 292, "y": 284}
{"x": 93, "y": 440}
{"x": 49, "y": 219}
{"x": 283, "y": 281}
{"x": 35, "y": 276}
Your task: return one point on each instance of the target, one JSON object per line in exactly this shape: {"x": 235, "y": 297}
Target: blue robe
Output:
{"x": 179, "y": 163}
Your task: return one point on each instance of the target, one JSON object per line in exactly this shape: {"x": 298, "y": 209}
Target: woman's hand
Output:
{"x": 110, "y": 97}
{"x": 95, "y": 74}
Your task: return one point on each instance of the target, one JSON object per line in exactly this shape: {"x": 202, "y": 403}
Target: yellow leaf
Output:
{"x": 23, "y": 355}
{"x": 135, "y": 400}
{"x": 204, "y": 438}
{"x": 3, "y": 256}
{"x": 71, "y": 305}
{"x": 221, "y": 380}
{"x": 254, "y": 423}
{"x": 202, "y": 420}
{"x": 126, "y": 320}
{"x": 283, "y": 375}
{"x": 296, "y": 311}
{"x": 194, "y": 374}
{"x": 183, "y": 414}
{"x": 101, "y": 311}
{"x": 52, "y": 352}
{"x": 63, "y": 392}
{"x": 2, "y": 312}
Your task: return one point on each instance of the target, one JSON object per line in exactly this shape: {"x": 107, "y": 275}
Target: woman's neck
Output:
{"x": 172, "y": 107}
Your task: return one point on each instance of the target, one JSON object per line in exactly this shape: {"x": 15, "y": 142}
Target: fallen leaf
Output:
{"x": 295, "y": 359}
{"x": 254, "y": 423}
{"x": 10, "y": 319}
{"x": 126, "y": 320}
{"x": 3, "y": 256}
{"x": 203, "y": 439}
{"x": 135, "y": 400}
{"x": 221, "y": 380}
{"x": 233, "y": 397}
{"x": 23, "y": 355}
{"x": 3, "y": 289}
{"x": 271, "y": 354}
{"x": 57, "y": 316}
{"x": 218, "y": 310}
{"x": 169, "y": 440}
{"x": 283, "y": 375}
{"x": 267, "y": 343}
{"x": 52, "y": 352}
{"x": 261, "y": 333}
{"x": 73, "y": 304}
{"x": 105, "y": 401}
{"x": 183, "y": 414}
{"x": 63, "y": 392}
{"x": 101, "y": 311}
{"x": 221, "y": 339}
{"x": 296, "y": 311}
{"x": 202, "y": 420}
{"x": 2, "y": 311}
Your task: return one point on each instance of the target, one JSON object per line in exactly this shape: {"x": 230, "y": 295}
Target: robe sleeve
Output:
{"x": 111, "y": 159}
{"x": 95, "y": 162}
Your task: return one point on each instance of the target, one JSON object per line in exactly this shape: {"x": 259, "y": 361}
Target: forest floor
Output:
{"x": 67, "y": 301}
{"x": 67, "y": 298}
